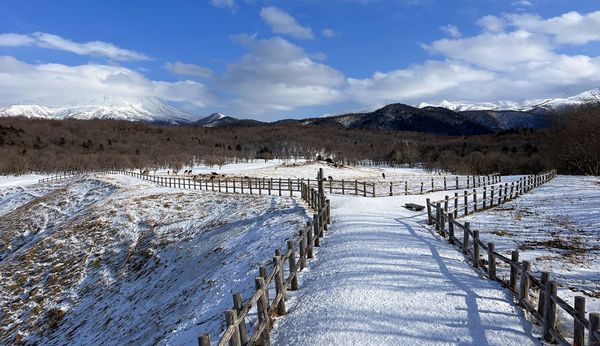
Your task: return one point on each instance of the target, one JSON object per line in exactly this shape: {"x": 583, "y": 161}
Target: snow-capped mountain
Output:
{"x": 524, "y": 106}
{"x": 145, "y": 110}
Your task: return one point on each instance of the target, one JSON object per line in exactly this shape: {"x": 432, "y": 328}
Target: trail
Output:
{"x": 381, "y": 278}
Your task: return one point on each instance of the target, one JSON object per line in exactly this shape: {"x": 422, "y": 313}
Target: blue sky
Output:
{"x": 276, "y": 59}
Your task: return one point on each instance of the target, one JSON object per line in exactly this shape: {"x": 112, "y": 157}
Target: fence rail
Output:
{"x": 61, "y": 176}
{"x": 538, "y": 296}
{"x": 282, "y": 186}
{"x": 273, "y": 273}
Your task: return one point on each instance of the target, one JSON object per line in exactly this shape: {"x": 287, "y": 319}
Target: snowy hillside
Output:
{"x": 146, "y": 110}
{"x": 114, "y": 260}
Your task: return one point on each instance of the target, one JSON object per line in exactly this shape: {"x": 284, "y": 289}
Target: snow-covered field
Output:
{"x": 556, "y": 227}
{"x": 115, "y": 260}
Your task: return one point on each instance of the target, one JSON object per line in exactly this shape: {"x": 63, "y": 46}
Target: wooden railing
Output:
{"x": 283, "y": 186}
{"x": 538, "y": 296}
{"x": 60, "y": 176}
{"x": 299, "y": 250}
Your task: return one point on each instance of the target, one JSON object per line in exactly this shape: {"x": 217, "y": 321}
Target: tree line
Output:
{"x": 572, "y": 146}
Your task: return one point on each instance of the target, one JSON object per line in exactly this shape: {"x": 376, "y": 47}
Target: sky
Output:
{"x": 269, "y": 60}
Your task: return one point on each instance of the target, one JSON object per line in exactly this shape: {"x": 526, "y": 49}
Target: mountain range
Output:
{"x": 453, "y": 118}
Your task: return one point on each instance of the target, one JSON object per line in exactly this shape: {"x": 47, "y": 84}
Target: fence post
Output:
{"x": 406, "y": 188}
{"x": 451, "y": 228}
{"x": 356, "y": 187}
{"x": 204, "y": 339}
{"x": 578, "y": 328}
{"x": 457, "y": 182}
{"x": 475, "y": 248}
{"x": 484, "y": 197}
{"x": 429, "y": 217}
{"x": 230, "y": 317}
{"x": 279, "y": 285}
{"x": 421, "y": 187}
{"x": 238, "y": 304}
{"x": 514, "y": 256}
{"x": 474, "y": 199}
{"x": 302, "y": 250}
{"x": 466, "y": 238}
{"x": 292, "y": 264}
{"x": 438, "y": 216}
{"x": 262, "y": 307}
{"x": 550, "y": 311}
{"x": 391, "y": 189}
{"x": 594, "y": 328}
{"x": 491, "y": 261}
{"x": 466, "y": 203}
{"x": 316, "y": 229}
{"x": 524, "y": 284}
{"x": 343, "y": 190}
{"x": 455, "y": 205}
{"x": 445, "y": 184}
{"x": 545, "y": 277}
{"x": 309, "y": 241}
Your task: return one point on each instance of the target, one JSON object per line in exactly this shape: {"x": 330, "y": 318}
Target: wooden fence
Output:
{"x": 538, "y": 296}
{"x": 273, "y": 273}
{"x": 60, "y": 176}
{"x": 282, "y": 186}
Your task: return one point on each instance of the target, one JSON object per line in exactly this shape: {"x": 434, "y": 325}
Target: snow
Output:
{"x": 556, "y": 228}
{"x": 127, "y": 262}
{"x": 381, "y": 278}
{"x": 146, "y": 109}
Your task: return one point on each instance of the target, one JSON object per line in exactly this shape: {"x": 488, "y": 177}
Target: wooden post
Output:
{"x": 524, "y": 284}
{"x": 541, "y": 299}
{"x": 466, "y": 203}
{"x": 446, "y": 204}
{"x": 406, "y": 188}
{"x": 429, "y": 217}
{"x": 343, "y": 191}
{"x": 514, "y": 256}
{"x": 457, "y": 182}
{"x": 204, "y": 339}
{"x": 230, "y": 317}
{"x": 270, "y": 185}
{"x": 364, "y": 189}
{"x": 238, "y": 304}
{"x": 474, "y": 200}
{"x": 373, "y": 187}
{"x": 309, "y": 241}
{"x": 391, "y": 189}
{"x": 292, "y": 265}
{"x": 279, "y": 285}
{"x": 262, "y": 307}
{"x": 445, "y": 187}
{"x": 290, "y": 186}
{"x": 279, "y": 186}
{"x": 455, "y": 205}
{"x": 438, "y": 216}
{"x": 356, "y": 187}
{"x": 302, "y": 250}
{"x": 316, "y": 229}
{"x": 451, "y": 228}
{"x": 484, "y": 197}
{"x": 491, "y": 261}
{"x": 505, "y": 192}
{"x": 550, "y": 311}
{"x": 475, "y": 248}
{"x": 466, "y": 238}
{"x": 578, "y": 328}
{"x": 492, "y": 196}
{"x": 594, "y": 329}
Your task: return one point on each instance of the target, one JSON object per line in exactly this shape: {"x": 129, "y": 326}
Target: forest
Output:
{"x": 571, "y": 145}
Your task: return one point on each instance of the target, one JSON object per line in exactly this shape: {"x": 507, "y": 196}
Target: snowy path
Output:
{"x": 382, "y": 278}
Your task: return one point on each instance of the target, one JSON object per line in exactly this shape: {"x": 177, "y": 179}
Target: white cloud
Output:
{"x": 496, "y": 64}
{"x": 329, "y": 33}
{"x": 497, "y": 51}
{"x": 569, "y": 28}
{"x": 452, "y": 31}
{"x": 491, "y": 23}
{"x": 282, "y": 22}
{"x": 230, "y": 4}
{"x": 276, "y": 75}
{"x": 189, "y": 69}
{"x": 58, "y": 84}
{"x": 92, "y": 48}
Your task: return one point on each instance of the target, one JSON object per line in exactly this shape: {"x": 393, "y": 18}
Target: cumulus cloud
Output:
{"x": 282, "y": 22}
{"x": 452, "y": 31}
{"x": 58, "y": 84}
{"x": 189, "y": 69}
{"x": 50, "y": 41}
{"x": 276, "y": 75}
{"x": 569, "y": 28}
{"x": 514, "y": 57}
